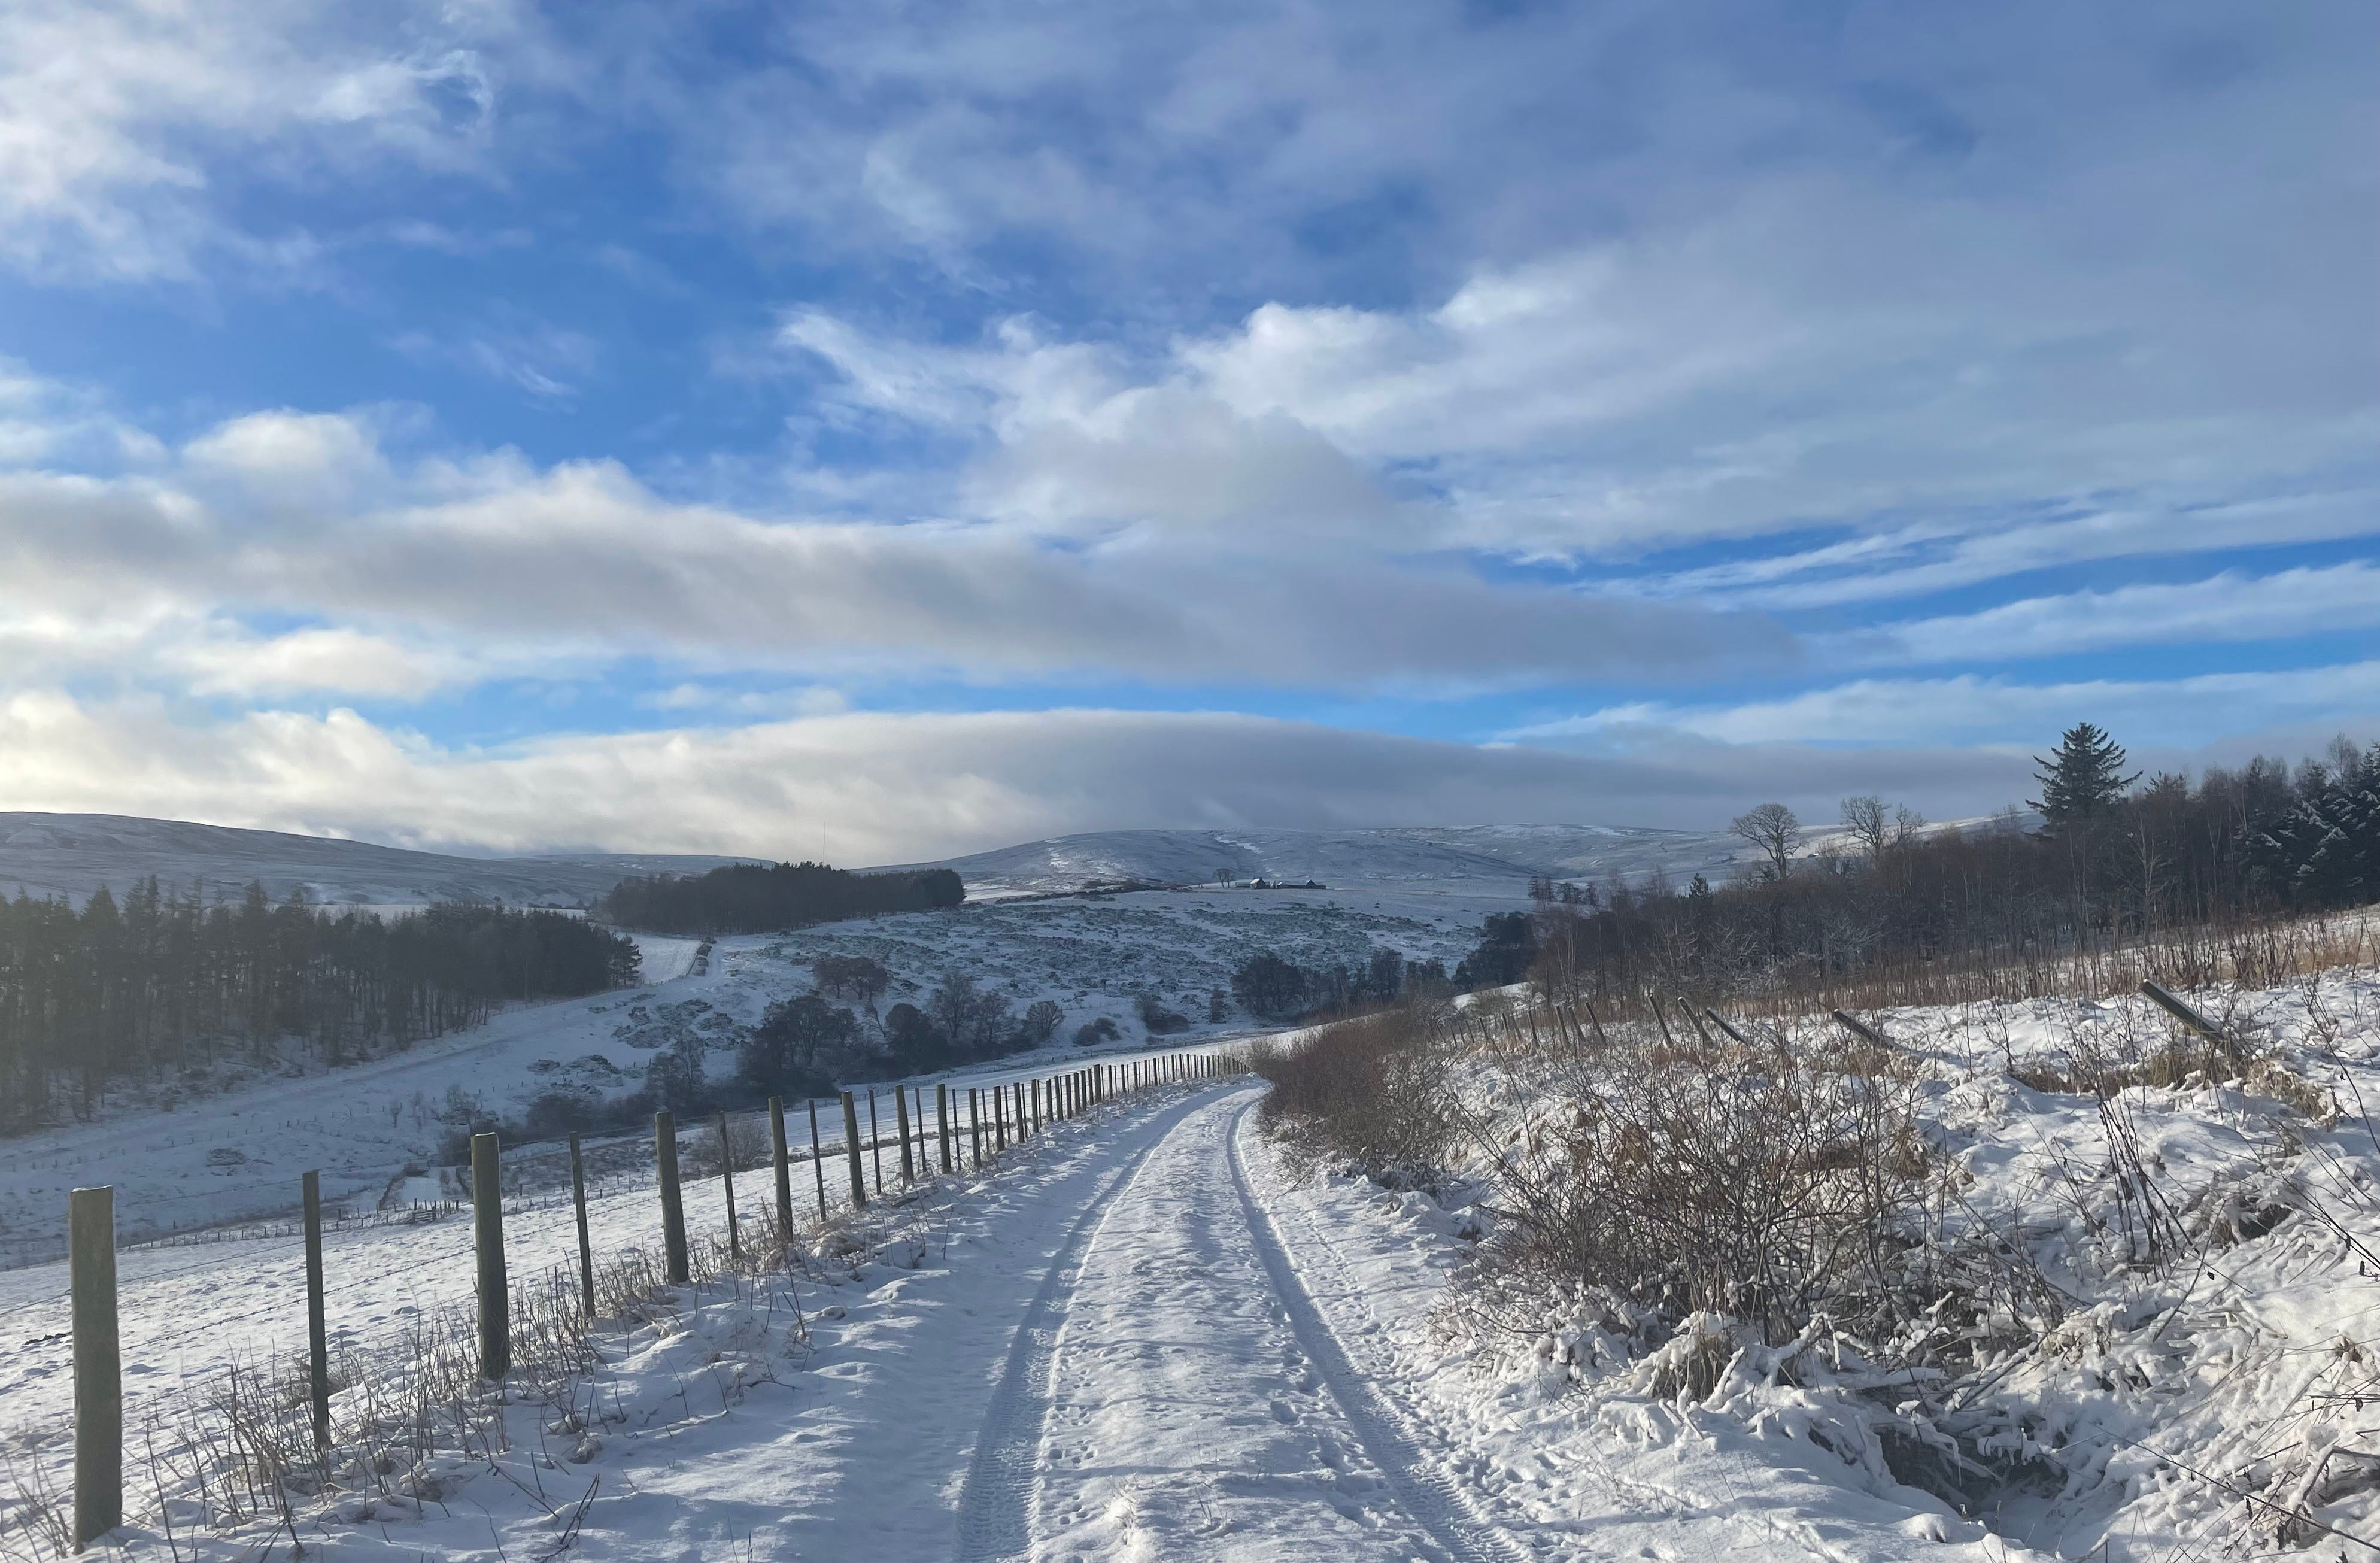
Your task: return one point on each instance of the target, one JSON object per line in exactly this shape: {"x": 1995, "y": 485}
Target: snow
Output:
{"x": 1144, "y": 1334}
{"x": 70, "y": 854}
{"x": 1491, "y": 859}
{"x": 229, "y": 1145}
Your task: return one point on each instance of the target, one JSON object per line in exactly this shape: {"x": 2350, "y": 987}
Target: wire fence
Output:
{"x": 197, "y": 1314}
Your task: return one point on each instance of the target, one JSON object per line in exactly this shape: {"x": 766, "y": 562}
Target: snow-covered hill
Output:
{"x": 70, "y": 854}
{"x": 1477, "y": 858}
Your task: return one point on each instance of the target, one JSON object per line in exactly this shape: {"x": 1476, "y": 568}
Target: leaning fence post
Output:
{"x": 875, "y": 1143}
{"x": 818, "y": 1160}
{"x": 901, "y": 1122}
{"x": 586, "y": 1249}
{"x": 784, "y": 1165}
{"x": 98, "y": 1376}
{"x": 488, "y": 1233}
{"x": 672, "y": 1203}
{"x": 318, "y": 1345}
{"x": 727, "y": 1182}
{"x": 851, "y": 1151}
{"x": 2188, "y": 1016}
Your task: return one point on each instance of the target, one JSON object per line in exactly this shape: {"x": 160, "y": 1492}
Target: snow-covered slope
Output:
{"x": 1476, "y": 857}
{"x": 70, "y": 854}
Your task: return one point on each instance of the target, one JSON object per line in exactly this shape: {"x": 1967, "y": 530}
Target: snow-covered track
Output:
{"x": 995, "y": 1505}
{"x": 1426, "y": 1487}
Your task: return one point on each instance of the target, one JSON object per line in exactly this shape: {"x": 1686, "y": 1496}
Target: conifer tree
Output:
{"x": 2083, "y": 779}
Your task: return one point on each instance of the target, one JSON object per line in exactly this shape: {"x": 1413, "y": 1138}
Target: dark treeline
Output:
{"x": 140, "y": 989}
{"x": 2116, "y": 860}
{"x": 1272, "y": 987}
{"x": 749, "y": 898}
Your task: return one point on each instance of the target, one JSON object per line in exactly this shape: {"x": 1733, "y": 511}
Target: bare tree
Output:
{"x": 1865, "y": 818}
{"x": 1773, "y": 828}
{"x": 1877, "y": 831}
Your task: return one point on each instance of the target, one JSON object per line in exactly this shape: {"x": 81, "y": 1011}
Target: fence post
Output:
{"x": 727, "y": 1182}
{"x": 2190, "y": 1017}
{"x": 672, "y": 1203}
{"x": 917, "y": 1113}
{"x": 875, "y": 1143}
{"x": 999, "y": 1120}
{"x": 318, "y": 1343}
{"x": 818, "y": 1160}
{"x": 586, "y": 1249}
{"x": 943, "y": 1123}
{"x": 851, "y": 1151}
{"x": 975, "y": 1124}
{"x": 488, "y": 1231}
{"x": 784, "y": 1165}
{"x": 98, "y": 1364}
{"x": 901, "y": 1122}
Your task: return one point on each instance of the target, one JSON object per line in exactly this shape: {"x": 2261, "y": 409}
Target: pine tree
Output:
{"x": 2083, "y": 780}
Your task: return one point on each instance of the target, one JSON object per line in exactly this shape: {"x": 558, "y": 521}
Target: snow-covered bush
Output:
{"x": 1373, "y": 1092}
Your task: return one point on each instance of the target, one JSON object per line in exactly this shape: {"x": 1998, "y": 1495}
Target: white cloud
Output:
{"x": 289, "y": 514}
{"x": 2229, "y": 607}
{"x": 875, "y": 789}
{"x": 1973, "y": 710}
{"x": 119, "y": 121}
{"x": 341, "y": 661}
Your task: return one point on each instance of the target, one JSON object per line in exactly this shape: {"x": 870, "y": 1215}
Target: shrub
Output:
{"x": 1041, "y": 1021}
{"x": 1725, "y": 1177}
{"x": 1372, "y": 1091}
{"x": 1090, "y": 1033}
{"x": 1157, "y": 1018}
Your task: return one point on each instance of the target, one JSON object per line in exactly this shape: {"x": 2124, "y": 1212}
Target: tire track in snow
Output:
{"x": 995, "y": 1503}
{"x": 1429, "y": 1491}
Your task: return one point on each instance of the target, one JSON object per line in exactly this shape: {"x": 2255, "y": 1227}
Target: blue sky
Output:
{"x": 878, "y": 430}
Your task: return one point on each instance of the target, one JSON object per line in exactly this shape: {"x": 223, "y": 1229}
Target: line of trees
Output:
{"x": 2116, "y": 857}
{"x": 136, "y": 989}
{"x": 1272, "y": 987}
{"x": 753, "y": 898}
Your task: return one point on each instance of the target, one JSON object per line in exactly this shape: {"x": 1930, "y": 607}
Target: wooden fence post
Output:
{"x": 875, "y": 1143}
{"x": 318, "y": 1343}
{"x": 673, "y": 1202}
{"x": 818, "y": 1160}
{"x": 851, "y": 1151}
{"x": 785, "y": 1166}
{"x": 727, "y": 1182}
{"x": 975, "y": 1124}
{"x": 901, "y": 1122}
{"x": 943, "y": 1123}
{"x": 98, "y": 1365}
{"x": 488, "y": 1233}
{"x": 999, "y": 1120}
{"x": 586, "y": 1249}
